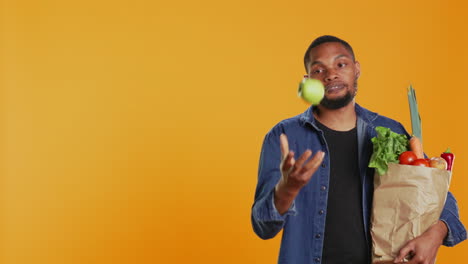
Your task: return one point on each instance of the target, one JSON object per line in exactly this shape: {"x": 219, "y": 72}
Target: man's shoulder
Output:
{"x": 290, "y": 124}
{"x": 380, "y": 120}
{"x": 384, "y": 120}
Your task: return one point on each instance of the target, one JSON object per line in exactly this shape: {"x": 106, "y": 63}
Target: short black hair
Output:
{"x": 324, "y": 39}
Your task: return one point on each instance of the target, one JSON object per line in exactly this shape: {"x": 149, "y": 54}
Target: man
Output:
{"x": 322, "y": 200}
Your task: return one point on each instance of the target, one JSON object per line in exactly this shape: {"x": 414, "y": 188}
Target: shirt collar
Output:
{"x": 362, "y": 113}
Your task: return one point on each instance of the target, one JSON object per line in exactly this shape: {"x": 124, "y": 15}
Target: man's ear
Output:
{"x": 358, "y": 69}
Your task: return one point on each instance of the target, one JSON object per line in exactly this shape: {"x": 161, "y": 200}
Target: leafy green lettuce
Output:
{"x": 388, "y": 145}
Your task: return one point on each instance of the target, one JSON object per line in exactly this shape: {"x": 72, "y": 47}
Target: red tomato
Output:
{"x": 407, "y": 157}
{"x": 420, "y": 162}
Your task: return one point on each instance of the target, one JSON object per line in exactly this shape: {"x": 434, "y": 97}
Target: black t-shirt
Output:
{"x": 345, "y": 238}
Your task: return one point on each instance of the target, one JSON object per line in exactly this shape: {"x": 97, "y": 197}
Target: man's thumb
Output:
{"x": 403, "y": 253}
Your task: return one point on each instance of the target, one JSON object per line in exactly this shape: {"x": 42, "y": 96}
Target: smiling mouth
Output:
{"x": 335, "y": 87}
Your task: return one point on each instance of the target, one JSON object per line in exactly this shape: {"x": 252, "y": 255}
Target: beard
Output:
{"x": 340, "y": 102}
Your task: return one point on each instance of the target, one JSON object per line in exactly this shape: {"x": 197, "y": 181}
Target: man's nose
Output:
{"x": 331, "y": 75}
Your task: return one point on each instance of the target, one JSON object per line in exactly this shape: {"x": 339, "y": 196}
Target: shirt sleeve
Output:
{"x": 456, "y": 230}
{"x": 266, "y": 220}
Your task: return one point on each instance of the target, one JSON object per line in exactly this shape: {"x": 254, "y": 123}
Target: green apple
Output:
{"x": 311, "y": 90}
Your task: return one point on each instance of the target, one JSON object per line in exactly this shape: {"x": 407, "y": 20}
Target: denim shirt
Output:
{"x": 303, "y": 224}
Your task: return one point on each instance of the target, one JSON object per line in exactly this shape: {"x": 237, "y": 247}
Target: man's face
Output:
{"x": 333, "y": 64}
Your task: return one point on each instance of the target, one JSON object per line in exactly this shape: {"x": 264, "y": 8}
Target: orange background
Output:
{"x": 131, "y": 130}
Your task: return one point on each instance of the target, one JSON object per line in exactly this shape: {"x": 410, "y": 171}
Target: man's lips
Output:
{"x": 334, "y": 87}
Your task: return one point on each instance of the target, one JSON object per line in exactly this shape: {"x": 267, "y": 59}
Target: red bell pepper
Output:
{"x": 449, "y": 157}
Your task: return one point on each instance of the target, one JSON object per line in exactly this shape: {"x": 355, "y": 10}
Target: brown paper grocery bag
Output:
{"x": 407, "y": 201}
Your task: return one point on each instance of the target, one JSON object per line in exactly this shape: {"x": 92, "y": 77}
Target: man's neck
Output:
{"x": 342, "y": 119}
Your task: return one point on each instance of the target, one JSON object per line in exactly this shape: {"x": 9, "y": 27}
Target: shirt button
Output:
{"x": 318, "y": 236}
{"x": 323, "y": 187}
{"x": 321, "y": 212}
{"x": 317, "y": 259}
{"x": 323, "y": 165}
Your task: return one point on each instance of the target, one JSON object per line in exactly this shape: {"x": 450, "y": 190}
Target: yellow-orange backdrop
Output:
{"x": 131, "y": 130}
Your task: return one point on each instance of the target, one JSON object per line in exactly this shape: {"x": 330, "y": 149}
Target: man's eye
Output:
{"x": 341, "y": 65}
{"x": 318, "y": 71}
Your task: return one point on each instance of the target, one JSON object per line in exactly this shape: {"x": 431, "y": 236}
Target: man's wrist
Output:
{"x": 441, "y": 230}
{"x": 283, "y": 197}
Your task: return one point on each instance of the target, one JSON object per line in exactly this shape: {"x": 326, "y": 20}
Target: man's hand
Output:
{"x": 295, "y": 174}
{"x": 423, "y": 249}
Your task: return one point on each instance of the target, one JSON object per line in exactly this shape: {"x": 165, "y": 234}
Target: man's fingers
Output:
{"x": 403, "y": 253}
{"x": 301, "y": 160}
{"x": 415, "y": 260}
{"x": 288, "y": 161}
{"x": 284, "y": 145}
{"x": 315, "y": 161}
